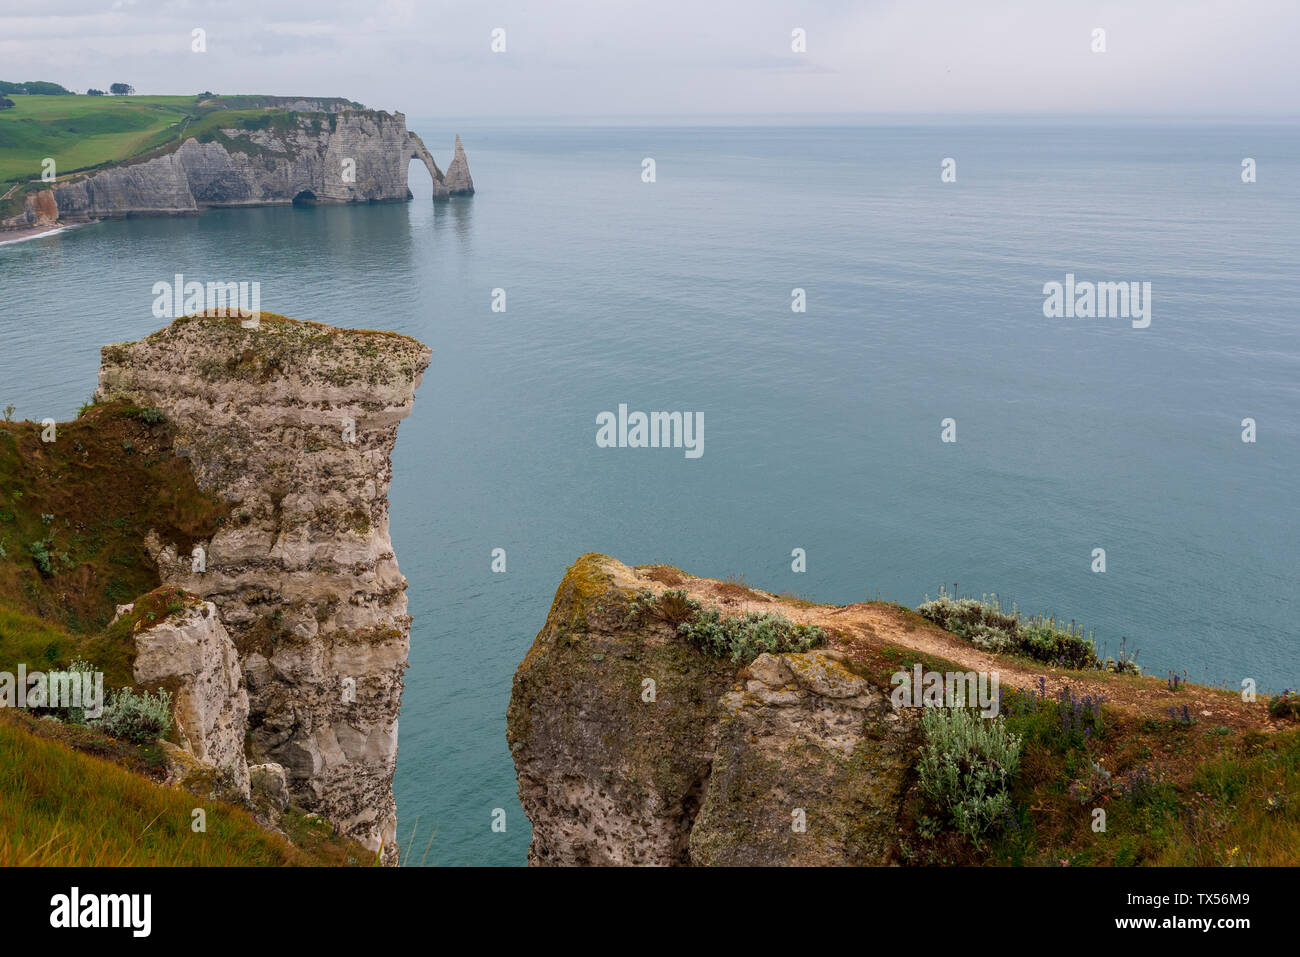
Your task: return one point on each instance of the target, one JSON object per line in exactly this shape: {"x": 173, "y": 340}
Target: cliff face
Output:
{"x": 350, "y": 156}
{"x": 632, "y": 747}
{"x": 295, "y": 423}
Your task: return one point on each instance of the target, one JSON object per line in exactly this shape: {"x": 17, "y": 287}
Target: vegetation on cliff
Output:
{"x": 74, "y": 512}
{"x": 985, "y": 624}
{"x": 738, "y": 638}
{"x": 75, "y": 797}
{"x": 1085, "y": 762}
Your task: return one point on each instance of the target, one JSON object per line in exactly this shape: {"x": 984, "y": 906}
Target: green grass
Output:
{"x": 80, "y": 132}
{"x": 74, "y": 513}
{"x": 65, "y": 808}
{"x": 83, "y": 132}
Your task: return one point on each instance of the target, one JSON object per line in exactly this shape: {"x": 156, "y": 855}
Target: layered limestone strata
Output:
{"x": 633, "y": 747}
{"x": 347, "y": 156}
{"x": 294, "y": 423}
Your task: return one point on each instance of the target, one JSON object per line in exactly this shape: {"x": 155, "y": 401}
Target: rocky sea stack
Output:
{"x": 292, "y": 424}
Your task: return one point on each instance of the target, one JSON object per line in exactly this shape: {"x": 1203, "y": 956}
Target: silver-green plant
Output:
{"x": 78, "y": 666}
{"x": 966, "y": 766}
{"x": 137, "y": 717}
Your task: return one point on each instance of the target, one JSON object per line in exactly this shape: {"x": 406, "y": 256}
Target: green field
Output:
{"x": 79, "y": 132}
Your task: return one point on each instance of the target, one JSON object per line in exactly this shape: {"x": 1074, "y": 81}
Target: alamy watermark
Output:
{"x": 178, "y": 298}
{"x": 653, "y": 430}
{"x": 1098, "y": 300}
{"x": 83, "y": 690}
{"x": 952, "y": 689}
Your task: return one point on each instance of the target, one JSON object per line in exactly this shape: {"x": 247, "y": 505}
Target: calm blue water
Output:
{"x": 821, "y": 429}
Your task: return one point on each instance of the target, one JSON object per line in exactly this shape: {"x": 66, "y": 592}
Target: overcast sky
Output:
{"x": 674, "y": 57}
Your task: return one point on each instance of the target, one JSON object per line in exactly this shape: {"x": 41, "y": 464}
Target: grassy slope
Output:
{"x": 1218, "y": 796}
{"x": 74, "y": 513}
{"x": 70, "y": 795}
{"x": 62, "y": 807}
{"x": 79, "y": 132}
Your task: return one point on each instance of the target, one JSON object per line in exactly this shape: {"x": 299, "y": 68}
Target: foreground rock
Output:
{"x": 792, "y": 760}
{"x": 190, "y": 652}
{"x": 294, "y": 424}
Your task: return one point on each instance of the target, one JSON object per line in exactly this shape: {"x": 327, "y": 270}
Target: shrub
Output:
{"x": 137, "y": 717}
{"x": 744, "y": 638}
{"x": 1285, "y": 705}
{"x": 986, "y": 625}
{"x": 965, "y": 767}
{"x": 741, "y": 638}
{"x": 40, "y": 552}
{"x": 673, "y": 606}
{"x": 78, "y": 666}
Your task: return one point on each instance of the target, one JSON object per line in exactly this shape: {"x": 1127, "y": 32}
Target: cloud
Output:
{"x": 570, "y": 57}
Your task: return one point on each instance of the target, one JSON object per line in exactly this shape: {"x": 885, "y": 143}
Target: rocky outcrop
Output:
{"x": 39, "y": 209}
{"x": 344, "y": 156}
{"x": 458, "y": 180}
{"x": 156, "y": 187}
{"x": 633, "y": 747}
{"x": 190, "y": 651}
{"x": 269, "y": 783}
{"x": 294, "y": 424}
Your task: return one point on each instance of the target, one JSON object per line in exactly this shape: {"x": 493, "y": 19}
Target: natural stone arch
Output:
{"x": 419, "y": 151}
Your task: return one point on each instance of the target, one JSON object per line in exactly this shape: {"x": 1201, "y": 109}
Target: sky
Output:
{"x": 629, "y": 58}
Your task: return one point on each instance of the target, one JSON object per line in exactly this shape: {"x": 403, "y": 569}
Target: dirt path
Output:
{"x": 874, "y": 625}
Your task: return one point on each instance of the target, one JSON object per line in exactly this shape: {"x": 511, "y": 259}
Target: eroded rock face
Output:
{"x": 810, "y": 768}
{"x": 348, "y": 156}
{"x": 191, "y": 651}
{"x": 604, "y": 776}
{"x": 268, "y": 781}
{"x": 39, "y": 209}
{"x": 712, "y": 767}
{"x": 295, "y": 424}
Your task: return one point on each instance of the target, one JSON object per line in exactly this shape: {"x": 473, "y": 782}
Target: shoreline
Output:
{"x": 10, "y": 236}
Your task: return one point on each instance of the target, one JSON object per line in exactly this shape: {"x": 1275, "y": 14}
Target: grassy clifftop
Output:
{"x": 83, "y": 132}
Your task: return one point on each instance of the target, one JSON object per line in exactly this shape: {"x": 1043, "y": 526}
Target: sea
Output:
{"x": 854, "y": 308}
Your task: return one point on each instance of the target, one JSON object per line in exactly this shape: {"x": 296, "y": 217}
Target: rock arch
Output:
{"x": 419, "y": 151}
